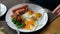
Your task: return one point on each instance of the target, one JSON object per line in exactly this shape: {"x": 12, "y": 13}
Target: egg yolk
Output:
{"x": 33, "y": 19}
{"x": 28, "y": 24}
{"x": 29, "y": 12}
{"x": 37, "y": 15}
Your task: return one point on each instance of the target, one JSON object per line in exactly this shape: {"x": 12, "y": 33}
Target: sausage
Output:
{"x": 21, "y": 10}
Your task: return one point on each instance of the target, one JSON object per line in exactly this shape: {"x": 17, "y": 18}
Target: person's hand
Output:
{"x": 57, "y": 10}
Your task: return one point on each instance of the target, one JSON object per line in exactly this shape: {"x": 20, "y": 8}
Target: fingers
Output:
{"x": 57, "y": 10}
{"x": 58, "y": 7}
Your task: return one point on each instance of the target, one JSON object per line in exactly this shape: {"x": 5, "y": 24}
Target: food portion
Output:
{"x": 37, "y": 15}
{"x": 21, "y": 10}
{"x": 31, "y": 25}
{"x": 2, "y": 30}
{"x": 25, "y": 18}
{"x": 33, "y": 19}
{"x": 30, "y": 12}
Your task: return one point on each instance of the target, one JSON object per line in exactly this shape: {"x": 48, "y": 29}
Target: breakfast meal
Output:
{"x": 25, "y": 18}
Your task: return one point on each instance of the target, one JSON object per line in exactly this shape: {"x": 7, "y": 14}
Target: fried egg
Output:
{"x": 31, "y": 20}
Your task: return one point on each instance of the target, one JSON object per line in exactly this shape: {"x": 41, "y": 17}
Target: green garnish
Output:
{"x": 19, "y": 24}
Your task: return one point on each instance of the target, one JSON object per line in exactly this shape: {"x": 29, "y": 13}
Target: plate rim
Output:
{"x": 5, "y": 10}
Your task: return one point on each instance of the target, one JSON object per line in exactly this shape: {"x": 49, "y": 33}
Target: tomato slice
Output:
{"x": 19, "y": 18}
{"x": 12, "y": 15}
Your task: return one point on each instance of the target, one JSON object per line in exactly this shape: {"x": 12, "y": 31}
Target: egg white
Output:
{"x": 26, "y": 16}
{"x": 35, "y": 26}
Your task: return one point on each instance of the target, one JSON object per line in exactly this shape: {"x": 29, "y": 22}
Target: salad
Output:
{"x": 25, "y": 18}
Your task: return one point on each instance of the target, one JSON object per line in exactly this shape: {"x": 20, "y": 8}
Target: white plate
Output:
{"x": 41, "y": 23}
{"x": 3, "y": 9}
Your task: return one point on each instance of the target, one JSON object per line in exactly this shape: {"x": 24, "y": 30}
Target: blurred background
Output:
{"x": 49, "y": 4}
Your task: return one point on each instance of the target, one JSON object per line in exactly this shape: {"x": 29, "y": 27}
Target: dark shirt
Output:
{"x": 49, "y": 4}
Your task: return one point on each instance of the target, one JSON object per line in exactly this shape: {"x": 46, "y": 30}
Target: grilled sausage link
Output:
{"x": 21, "y": 10}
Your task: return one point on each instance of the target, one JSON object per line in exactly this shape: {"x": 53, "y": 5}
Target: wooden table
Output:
{"x": 52, "y": 28}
